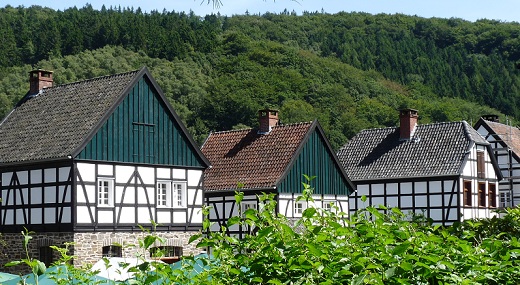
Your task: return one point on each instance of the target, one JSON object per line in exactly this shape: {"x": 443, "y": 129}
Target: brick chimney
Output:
{"x": 267, "y": 119}
{"x": 491, "y": 118}
{"x": 39, "y": 79}
{"x": 408, "y": 122}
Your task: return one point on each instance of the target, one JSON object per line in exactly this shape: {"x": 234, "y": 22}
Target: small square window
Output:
{"x": 244, "y": 206}
{"x": 329, "y": 206}
{"x": 105, "y": 192}
{"x": 299, "y": 207}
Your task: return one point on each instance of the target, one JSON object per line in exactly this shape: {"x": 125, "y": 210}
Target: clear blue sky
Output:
{"x": 472, "y": 10}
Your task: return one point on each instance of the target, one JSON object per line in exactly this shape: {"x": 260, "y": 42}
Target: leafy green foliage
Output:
{"x": 351, "y": 71}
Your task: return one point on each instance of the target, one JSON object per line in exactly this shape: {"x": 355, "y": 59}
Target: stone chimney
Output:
{"x": 491, "y": 118}
{"x": 267, "y": 119}
{"x": 408, "y": 122}
{"x": 39, "y": 79}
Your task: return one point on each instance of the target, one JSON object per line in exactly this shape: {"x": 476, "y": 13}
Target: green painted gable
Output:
{"x": 315, "y": 159}
{"x": 142, "y": 129}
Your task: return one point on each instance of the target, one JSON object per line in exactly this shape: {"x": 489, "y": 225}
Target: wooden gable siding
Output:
{"x": 315, "y": 160}
{"x": 141, "y": 130}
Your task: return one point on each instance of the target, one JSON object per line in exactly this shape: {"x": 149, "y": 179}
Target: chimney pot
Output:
{"x": 39, "y": 79}
{"x": 267, "y": 119}
{"x": 491, "y": 118}
{"x": 408, "y": 122}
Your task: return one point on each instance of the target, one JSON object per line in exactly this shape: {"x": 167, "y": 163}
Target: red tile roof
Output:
{"x": 245, "y": 157}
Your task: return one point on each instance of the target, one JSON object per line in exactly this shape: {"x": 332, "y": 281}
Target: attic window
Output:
{"x": 481, "y": 169}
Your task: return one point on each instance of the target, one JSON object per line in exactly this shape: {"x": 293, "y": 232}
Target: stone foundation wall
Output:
{"x": 87, "y": 248}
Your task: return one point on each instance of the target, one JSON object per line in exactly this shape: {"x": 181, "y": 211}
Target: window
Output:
{"x": 482, "y": 194}
{"x": 492, "y": 195}
{"x": 179, "y": 194}
{"x": 467, "y": 193}
{"x": 244, "y": 206}
{"x": 481, "y": 169}
{"x": 505, "y": 199}
{"x": 46, "y": 255}
{"x": 164, "y": 193}
{"x": 171, "y": 194}
{"x": 112, "y": 251}
{"x": 166, "y": 251}
{"x": 329, "y": 205}
{"x": 299, "y": 207}
{"x": 105, "y": 192}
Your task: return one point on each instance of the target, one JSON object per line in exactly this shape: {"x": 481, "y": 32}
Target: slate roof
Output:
{"x": 55, "y": 122}
{"x": 435, "y": 150}
{"x": 509, "y": 135}
{"x": 244, "y": 156}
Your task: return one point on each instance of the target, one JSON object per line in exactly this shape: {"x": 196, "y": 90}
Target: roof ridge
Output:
{"x": 92, "y": 79}
{"x": 276, "y": 126}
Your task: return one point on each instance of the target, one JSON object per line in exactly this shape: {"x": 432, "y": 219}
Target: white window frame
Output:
{"x": 329, "y": 205}
{"x": 244, "y": 206}
{"x": 164, "y": 200}
{"x": 108, "y": 189}
{"x": 504, "y": 199}
{"x": 299, "y": 207}
{"x": 180, "y": 196}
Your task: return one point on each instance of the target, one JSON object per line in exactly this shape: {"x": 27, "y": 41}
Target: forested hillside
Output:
{"x": 349, "y": 70}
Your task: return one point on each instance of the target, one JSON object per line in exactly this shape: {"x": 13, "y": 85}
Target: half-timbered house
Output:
{"x": 91, "y": 161}
{"x": 443, "y": 171}
{"x": 505, "y": 142}
{"x": 272, "y": 158}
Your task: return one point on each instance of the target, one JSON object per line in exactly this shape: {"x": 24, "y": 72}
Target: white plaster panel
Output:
{"x": 179, "y": 217}
{"x": 9, "y": 217}
{"x": 392, "y": 202}
{"x": 36, "y": 176}
{"x": 49, "y": 215}
{"x": 3, "y": 197}
{"x": 191, "y": 196}
{"x": 391, "y": 188}
{"x": 36, "y": 195}
{"x": 450, "y": 214}
{"x": 216, "y": 208}
{"x": 67, "y": 194}
{"x": 378, "y": 189}
{"x": 436, "y": 214}
{"x": 197, "y": 216}
{"x": 50, "y": 175}
{"x": 448, "y": 185}
{"x": 66, "y": 215}
{"x": 129, "y": 194}
{"x": 87, "y": 171}
{"x": 406, "y": 201}
{"x": 63, "y": 173}
{"x": 285, "y": 196}
{"x": 36, "y": 216}
{"x": 105, "y": 170}
{"x": 228, "y": 209}
{"x": 467, "y": 214}
{"x": 82, "y": 215}
{"x": 143, "y": 215}
{"x": 23, "y": 197}
{"x": 147, "y": 174}
{"x": 141, "y": 195}
{"x": 163, "y": 173}
{"x": 214, "y": 227}
{"x": 421, "y": 187}
{"x": 6, "y": 178}
{"x": 194, "y": 177}
{"x": 406, "y": 188}
{"x": 421, "y": 201}
{"x": 435, "y": 187}
{"x": 343, "y": 206}
{"x": 376, "y": 201}
{"x": 127, "y": 215}
{"x": 436, "y": 200}
{"x": 164, "y": 218}
{"x": 23, "y": 177}
{"x": 362, "y": 190}
{"x": 502, "y": 159}
{"x": 179, "y": 174}
{"x": 516, "y": 172}
{"x": 105, "y": 217}
{"x": 124, "y": 173}
{"x": 467, "y": 168}
{"x": 49, "y": 195}
{"x": 447, "y": 198}
{"x": 19, "y": 216}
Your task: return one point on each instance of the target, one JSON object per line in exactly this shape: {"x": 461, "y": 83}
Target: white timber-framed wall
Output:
{"x": 441, "y": 198}
{"x": 509, "y": 164}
